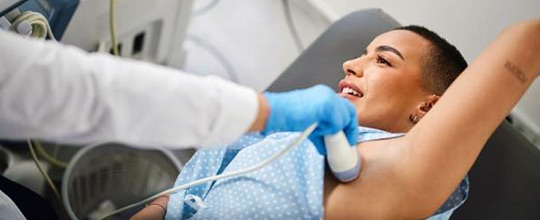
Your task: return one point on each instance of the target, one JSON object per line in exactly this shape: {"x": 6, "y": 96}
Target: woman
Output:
{"x": 404, "y": 176}
{"x": 427, "y": 164}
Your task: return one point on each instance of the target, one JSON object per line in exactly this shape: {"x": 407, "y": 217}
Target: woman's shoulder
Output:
{"x": 371, "y": 134}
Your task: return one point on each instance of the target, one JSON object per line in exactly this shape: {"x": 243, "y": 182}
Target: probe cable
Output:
{"x": 253, "y": 168}
{"x": 47, "y": 178}
{"x": 40, "y": 29}
{"x": 112, "y": 28}
{"x": 39, "y": 24}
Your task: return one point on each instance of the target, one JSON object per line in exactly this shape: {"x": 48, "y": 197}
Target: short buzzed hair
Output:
{"x": 443, "y": 64}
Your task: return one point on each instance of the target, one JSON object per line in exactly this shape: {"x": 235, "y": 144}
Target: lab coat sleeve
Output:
{"x": 8, "y": 209}
{"x": 60, "y": 93}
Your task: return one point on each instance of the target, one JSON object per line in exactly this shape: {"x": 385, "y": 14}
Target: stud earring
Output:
{"x": 414, "y": 118}
{"x": 426, "y": 107}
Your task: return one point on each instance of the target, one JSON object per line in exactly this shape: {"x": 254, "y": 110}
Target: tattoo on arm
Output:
{"x": 514, "y": 69}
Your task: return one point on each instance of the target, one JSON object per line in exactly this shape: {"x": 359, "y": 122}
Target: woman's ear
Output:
{"x": 428, "y": 103}
{"x": 423, "y": 108}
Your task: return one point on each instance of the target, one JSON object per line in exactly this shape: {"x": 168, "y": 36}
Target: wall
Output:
{"x": 248, "y": 41}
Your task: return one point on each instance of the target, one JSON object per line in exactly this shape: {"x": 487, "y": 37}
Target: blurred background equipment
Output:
{"x": 55, "y": 13}
{"x": 103, "y": 177}
{"x": 152, "y": 31}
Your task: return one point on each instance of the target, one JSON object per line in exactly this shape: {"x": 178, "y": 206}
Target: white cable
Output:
{"x": 205, "y": 9}
{"x": 43, "y": 173}
{"x": 112, "y": 27}
{"x": 214, "y": 51}
{"x": 291, "y": 26}
{"x": 276, "y": 156}
{"x": 38, "y": 24}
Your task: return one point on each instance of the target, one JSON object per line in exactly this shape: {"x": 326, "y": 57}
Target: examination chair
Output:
{"x": 504, "y": 181}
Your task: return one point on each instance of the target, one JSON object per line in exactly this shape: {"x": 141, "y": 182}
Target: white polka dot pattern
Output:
{"x": 288, "y": 188}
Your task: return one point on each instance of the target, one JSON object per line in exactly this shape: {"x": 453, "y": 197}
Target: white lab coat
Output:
{"x": 59, "y": 93}
{"x": 55, "y": 92}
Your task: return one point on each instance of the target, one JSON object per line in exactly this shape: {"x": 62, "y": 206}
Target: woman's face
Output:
{"x": 384, "y": 83}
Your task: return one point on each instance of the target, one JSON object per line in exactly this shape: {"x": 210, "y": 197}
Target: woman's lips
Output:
{"x": 352, "y": 92}
{"x": 349, "y": 89}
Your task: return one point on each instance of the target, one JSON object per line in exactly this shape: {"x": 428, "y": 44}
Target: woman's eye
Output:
{"x": 383, "y": 61}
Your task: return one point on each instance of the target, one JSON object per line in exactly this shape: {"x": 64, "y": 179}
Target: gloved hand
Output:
{"x": 296, "y": 110}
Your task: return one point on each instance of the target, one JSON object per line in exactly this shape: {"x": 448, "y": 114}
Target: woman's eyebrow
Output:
{"x": 389, "y": 49}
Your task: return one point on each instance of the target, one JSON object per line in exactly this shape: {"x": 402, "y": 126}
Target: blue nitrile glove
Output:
{"x": 296, "y": 110}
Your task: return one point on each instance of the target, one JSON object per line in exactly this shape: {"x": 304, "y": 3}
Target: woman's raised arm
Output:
{"x": 440, "y": 149}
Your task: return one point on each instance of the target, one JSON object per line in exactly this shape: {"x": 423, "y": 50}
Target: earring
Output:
{"x": 414, "y": 118}
{"x": 426, "y": 106}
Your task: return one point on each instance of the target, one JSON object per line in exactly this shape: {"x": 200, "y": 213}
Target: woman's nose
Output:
{"x": 351, "y": 67}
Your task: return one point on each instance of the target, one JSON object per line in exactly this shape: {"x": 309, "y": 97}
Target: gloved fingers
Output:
{"x": 296, "y": 110}
{"x": 325, "y": 128}
{"x": 318, "y": 141}
{"x": 351, "y": 129}
{"x": 337, "y": 115}
{"x": 329, "y": 112}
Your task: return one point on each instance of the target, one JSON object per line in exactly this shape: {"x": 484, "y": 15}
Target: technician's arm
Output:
{"x": 54, "y": 92}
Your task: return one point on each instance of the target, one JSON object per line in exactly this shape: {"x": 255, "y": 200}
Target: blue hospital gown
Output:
{"x": 288, "y": 188}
